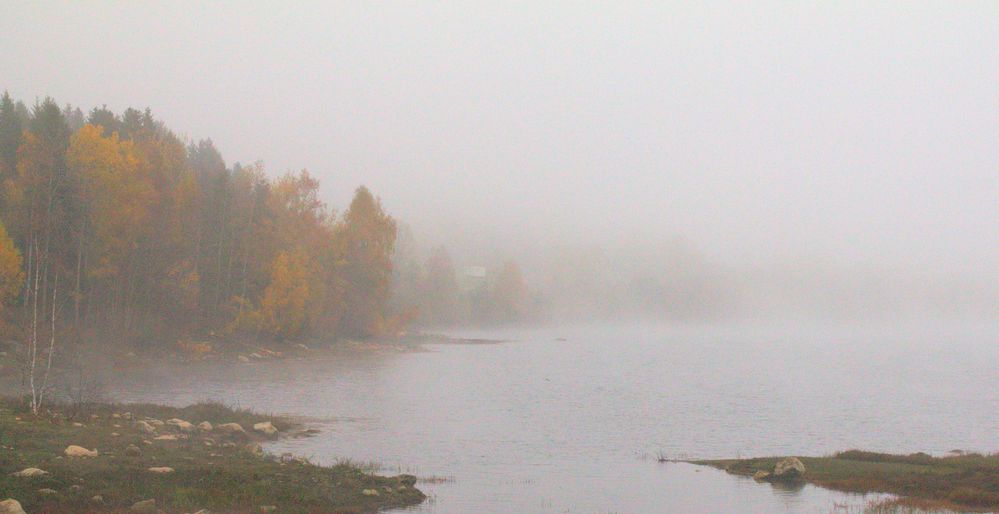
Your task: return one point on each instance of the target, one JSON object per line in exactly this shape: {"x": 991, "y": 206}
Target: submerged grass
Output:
{"x": 955, "y": 482}
{"x": 212, "y": 471}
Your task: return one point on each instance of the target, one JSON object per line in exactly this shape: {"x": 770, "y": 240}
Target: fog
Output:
{"x": 770, "y": 160}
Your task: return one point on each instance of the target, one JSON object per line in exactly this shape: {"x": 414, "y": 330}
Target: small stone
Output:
{"x": 30, "y": 472}
{"x": 266, "y": 428}
{"x": 145, "y": 427}
{"x": 155, "y": 422}
{"x": 144, "y": 506}
{"x": 48, "y": 492}
{"x": 116, "y": 415}
{"x": 79, "y": 451}
{"x": 132, "y": 451}
{"x": 268, "y": 508}
{"x": 11, "y": 506}
{"x": 205, "y": 426}
{"x": 146, "y": 441}
{"x": 181, "y": 425}
{"x": 232, "y": 428}
{"x": 74, "y": 488}
{"x": 243, "y": 358}
{"x": 77, "y": 424}
{"x": 165, "y": 437}
{"x": 115, "y": 434}
{"x": 161, "y": 469}
{"x": 97, "y": 498}
{"x": 761, "y": 475}
{"x": 255, "y": 449}
{"x": 370, "y": 492}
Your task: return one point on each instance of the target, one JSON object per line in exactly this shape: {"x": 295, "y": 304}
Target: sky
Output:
{"x": 829, "y": 132}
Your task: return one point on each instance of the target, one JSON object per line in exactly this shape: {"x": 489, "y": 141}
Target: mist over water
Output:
{"x": 571, "y": 418}
{"x": 703, "y": 230}
{"x": 762, "y": 160}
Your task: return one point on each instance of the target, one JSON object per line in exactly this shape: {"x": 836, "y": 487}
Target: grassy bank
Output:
{"x": 198, "y": 468}
{"x": 958, "y": 482}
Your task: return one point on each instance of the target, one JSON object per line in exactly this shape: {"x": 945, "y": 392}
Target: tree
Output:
{"x": 509, "y": 298}
{"x": 11, "y": 274}
{"x": 367, "y": 238}
{"x": 440, "y": 291}
{"x": 283, "y": 307}
{"x": 11, "y": 127}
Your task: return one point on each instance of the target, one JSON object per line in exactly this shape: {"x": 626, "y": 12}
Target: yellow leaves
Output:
{"x": 283, "y": 307}
{"x": 116, "y": 192}
{"x": 11, "y": 275}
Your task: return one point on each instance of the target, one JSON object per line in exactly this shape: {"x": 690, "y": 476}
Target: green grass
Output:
{"x": 222, "y": 477}
{"x": 968, "y": 481}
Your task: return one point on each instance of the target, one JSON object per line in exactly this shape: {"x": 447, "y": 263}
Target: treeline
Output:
{"x": 114, "y": 229}
{"x": 435, "y": 292}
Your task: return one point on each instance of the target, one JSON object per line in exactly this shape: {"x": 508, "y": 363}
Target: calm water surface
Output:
{"x": 540, "y": 424}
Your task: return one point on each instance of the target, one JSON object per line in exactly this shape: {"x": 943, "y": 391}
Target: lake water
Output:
{"x": 546, "y": 425}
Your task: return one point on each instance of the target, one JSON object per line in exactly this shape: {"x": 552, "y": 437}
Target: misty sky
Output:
{"x": 841, "y": 132}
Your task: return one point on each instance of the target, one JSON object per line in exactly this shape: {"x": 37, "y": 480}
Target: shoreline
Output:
{"x": 960, "y": 482}
{"x": 102, "y": 457}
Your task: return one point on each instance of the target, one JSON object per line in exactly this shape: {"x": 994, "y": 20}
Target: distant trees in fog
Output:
{"x": 441, "y": 294}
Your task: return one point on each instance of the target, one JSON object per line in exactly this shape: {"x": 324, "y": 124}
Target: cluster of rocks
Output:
{"x": 150, "y": 426}
{"x": 260, "y": 354}
{"x": 789, "y": 469}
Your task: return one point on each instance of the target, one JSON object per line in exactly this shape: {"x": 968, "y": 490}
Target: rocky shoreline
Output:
{"x": 150, "y": 458}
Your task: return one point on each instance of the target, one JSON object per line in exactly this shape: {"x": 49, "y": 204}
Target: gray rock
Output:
{"x": 132, "y": 451}
{"x": 30, "y": 472}
{"x": 206, "y": 426}
{"x": 145, "y": 427}
{"x": 181, "y": 425}
{"x": 144, "y": 506}
{"x": 266, "y": 428}
{"x": 79, "y": 451}
{"x": 231, "y": 428}
{"x": 789, "y": 468}
{"x": 11, "y": 506}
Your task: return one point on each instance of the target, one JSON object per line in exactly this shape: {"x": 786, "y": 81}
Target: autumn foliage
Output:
{"x": 125, "y": 232}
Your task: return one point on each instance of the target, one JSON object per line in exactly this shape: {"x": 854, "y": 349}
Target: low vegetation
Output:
{"x": 958, "y": 481}
{"x": 198, "y": 468}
